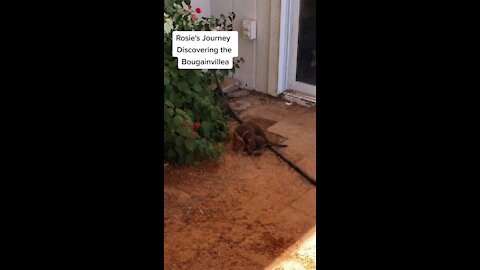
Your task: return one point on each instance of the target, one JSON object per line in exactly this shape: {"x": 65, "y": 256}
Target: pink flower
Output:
{"x": 198, "y": 10}
{"x": 194, "y": 17}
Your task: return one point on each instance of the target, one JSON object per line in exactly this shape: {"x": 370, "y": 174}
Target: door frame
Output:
{"x": 288, "y": 43}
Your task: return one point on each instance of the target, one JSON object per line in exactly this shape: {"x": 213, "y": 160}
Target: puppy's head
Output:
{"x": 260, "y": 145}
{"x": 251, "y": 146}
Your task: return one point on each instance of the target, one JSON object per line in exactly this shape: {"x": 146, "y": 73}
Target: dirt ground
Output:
{"x": 239, "y": 212}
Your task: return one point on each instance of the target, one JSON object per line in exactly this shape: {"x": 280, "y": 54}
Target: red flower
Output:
{"x": 198, "y": 10}
{"x": 194, "y": 133}
{"x": 194, "y": 17}
{"x": 196, "y": 124}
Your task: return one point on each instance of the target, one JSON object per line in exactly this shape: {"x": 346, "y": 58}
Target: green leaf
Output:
{"x": 167, "y": 136}
{"x": 169, "y": 103}
{"x": 166, "y": 80}
{"x": 179, "y": 149}
{"x": 181, "y": 112}
{"x": 190, "y": 144}
{"x": 197, "y": 88}
{"x": 178, "y": 121}
{"x": 189, "y": 159}
{"x": 195, "y": 77}
{"x": 167, "y": 26}
{"x": 182, "y": 86}
{"x": 168, "y": 6}
{"x": 178, "y": 141}
{"x": 170, "y": 155}
{"x": 206, "y": 128}
{"x": 185, "y": 132}
{"x": 174, "y": 74}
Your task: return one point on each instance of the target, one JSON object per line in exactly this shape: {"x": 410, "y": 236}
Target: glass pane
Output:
{"x": 307, "y": 43}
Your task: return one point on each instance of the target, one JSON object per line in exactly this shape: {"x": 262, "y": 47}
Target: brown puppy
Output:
{"x": 251, "y": 136}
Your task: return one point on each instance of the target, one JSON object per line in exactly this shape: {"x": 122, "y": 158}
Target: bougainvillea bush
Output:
{"x": 194, "y": 122}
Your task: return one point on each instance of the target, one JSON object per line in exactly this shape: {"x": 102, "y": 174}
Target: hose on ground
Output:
{"x": 288, "y": 161}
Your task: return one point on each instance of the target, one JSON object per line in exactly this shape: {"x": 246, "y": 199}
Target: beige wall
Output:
{"x": 260, "y": 70}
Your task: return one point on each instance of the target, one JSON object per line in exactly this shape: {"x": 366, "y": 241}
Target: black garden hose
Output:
{"x": 289, "y": 162}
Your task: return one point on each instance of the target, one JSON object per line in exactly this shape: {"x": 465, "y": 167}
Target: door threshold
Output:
{"x": 299, "y": 98}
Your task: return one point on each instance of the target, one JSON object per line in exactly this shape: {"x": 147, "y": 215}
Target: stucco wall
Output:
{"x": 260, "y": 70}
{"x": 245, "y": 9}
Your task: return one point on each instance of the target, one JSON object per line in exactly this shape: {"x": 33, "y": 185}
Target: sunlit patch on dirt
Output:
{"x": 301, "y": 256}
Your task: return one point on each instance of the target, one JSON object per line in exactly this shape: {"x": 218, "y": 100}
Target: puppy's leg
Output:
{"x": 242, "y": 149}
{"x": 234, "y": 144}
